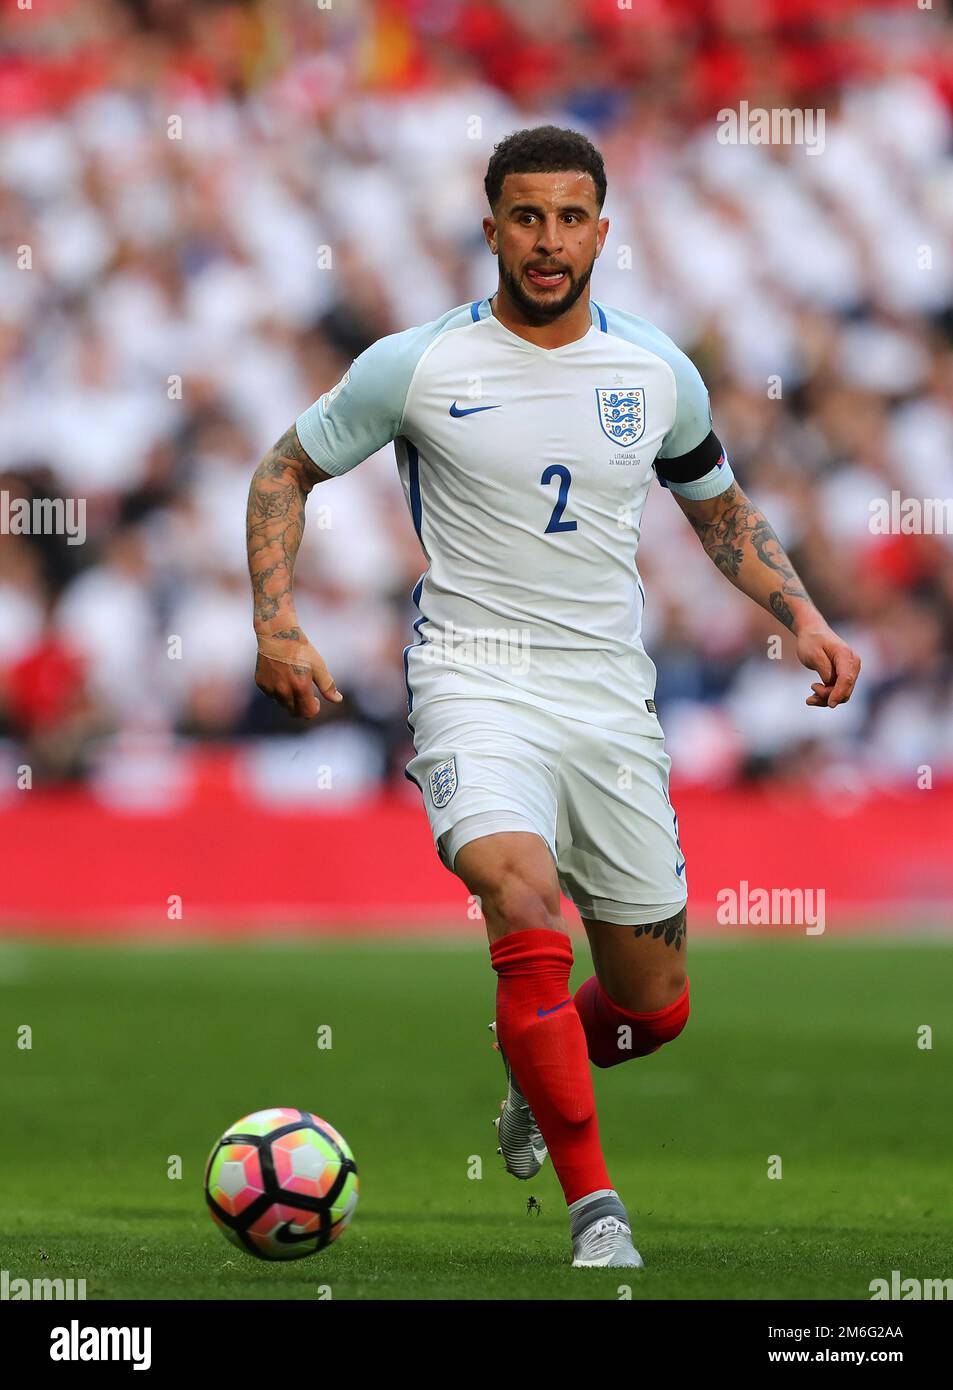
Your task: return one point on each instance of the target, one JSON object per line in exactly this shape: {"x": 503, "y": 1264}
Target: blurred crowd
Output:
{"x": 209, "y": 209}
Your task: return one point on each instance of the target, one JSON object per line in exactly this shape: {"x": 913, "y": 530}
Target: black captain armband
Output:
{"x": 703, "y": 472}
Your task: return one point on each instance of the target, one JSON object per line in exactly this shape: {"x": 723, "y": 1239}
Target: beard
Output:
{"x": 541, "y": 311}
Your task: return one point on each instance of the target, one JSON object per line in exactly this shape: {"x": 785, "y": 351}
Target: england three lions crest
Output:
{"x": 622, "y": 414}
{"x": 443, "y": 782}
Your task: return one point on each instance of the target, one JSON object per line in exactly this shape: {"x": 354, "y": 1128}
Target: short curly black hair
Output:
{"x": 543, "y": 149}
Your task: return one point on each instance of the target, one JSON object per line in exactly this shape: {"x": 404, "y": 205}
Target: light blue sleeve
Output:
{"x": 364, "y": 411}
{"x": 692, "y": 408}
{"x": 693, "y": 425}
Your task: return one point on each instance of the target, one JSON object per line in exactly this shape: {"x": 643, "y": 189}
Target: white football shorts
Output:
{"x": 598, "y": 797}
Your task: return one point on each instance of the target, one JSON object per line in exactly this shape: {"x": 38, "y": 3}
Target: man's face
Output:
{"x": 547, "y": 232}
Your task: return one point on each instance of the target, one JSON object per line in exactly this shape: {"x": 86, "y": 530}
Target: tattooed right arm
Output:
{"x": 274, "y": 526}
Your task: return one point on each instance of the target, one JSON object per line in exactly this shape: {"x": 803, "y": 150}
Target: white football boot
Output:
{"x": 521, "y": 1143}
{"x": 601, "y": 1234}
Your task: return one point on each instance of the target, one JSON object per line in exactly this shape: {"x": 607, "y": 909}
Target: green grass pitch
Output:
{"x": 806, "y": 1049}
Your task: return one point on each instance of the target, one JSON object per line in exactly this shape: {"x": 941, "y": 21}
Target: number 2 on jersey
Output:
{"x": 560, "y": 471}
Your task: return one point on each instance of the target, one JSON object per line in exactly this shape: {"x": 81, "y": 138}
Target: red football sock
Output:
{"x": 614, "y": 1034}
{"x": 540, "y": 1032}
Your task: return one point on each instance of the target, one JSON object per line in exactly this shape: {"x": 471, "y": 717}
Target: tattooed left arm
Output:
{"x": 743, "y": 545}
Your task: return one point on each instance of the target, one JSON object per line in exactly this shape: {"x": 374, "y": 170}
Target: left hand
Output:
{"x": 821, "y": 650}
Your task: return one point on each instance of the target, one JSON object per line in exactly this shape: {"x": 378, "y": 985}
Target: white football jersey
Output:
{"x": 526, "y": 471}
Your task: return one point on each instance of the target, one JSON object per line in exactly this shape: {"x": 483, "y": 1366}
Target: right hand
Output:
{"x": 293, "y": 686}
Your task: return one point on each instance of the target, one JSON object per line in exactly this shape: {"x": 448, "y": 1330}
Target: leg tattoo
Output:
{"x": 674, "y": 929}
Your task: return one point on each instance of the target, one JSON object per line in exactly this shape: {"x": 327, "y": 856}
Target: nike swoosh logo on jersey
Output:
{"x": 543, "y": 1013}
{"x": 456, "y": 412}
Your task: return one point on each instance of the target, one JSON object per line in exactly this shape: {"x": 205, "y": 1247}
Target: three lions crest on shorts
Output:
{"x": 622, "y": 414}
{"x": 443, "y": 782}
